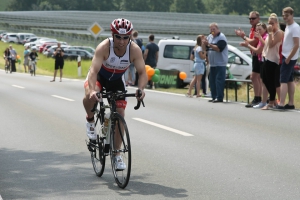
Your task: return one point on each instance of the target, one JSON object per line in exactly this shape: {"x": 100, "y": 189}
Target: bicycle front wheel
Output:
{"x": 97, "y": 152}
{"x": 120, "y": 151}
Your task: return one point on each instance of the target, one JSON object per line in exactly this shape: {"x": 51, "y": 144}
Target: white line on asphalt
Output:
{"x": 163, "y": 127}
{"x": 62, "y": 98}
{"x": 17, "y": 86}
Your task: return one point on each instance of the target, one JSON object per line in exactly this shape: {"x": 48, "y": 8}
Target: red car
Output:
{"x": 46, "y": 44}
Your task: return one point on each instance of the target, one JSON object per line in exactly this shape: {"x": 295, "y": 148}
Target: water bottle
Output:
{"x": 105, "y": 124}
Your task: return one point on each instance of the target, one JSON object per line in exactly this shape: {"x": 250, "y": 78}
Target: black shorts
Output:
{"x": 261, "y": 65}
{"x": 255, "y": 64}
{"x": 59, "y": 64}
{"x": 115, "y": 85}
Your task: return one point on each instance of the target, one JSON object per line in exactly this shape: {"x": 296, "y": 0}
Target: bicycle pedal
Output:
{"x": 90, "y": 148}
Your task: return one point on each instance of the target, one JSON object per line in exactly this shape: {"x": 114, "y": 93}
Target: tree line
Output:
{"x": 228, "y": 7}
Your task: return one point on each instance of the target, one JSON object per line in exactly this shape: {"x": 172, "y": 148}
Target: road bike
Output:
{"x": 7, "y": 64}
{"x": 109, "y": 138}
{"x": 33, "y": 67}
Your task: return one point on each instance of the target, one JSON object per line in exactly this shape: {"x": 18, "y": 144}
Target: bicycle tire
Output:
{"x": 121, "y": 176}
{"x": 97, "y": 153}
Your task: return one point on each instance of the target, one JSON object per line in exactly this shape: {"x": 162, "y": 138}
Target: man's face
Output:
{"x": 214, "y": 30}
{"x": 253, "y": 19}
{"x": 120, "y": 40}
{"x": 287, "y": 17}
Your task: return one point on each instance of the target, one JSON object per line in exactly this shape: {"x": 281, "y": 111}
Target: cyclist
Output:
{"x": 32, "y": 57}
{"x": 112, "y": 58}
{"x": 7, "y": 57}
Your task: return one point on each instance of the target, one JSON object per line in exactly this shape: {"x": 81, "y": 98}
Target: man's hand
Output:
{"x": 93, "y": 96}
{"x": 140, "y": 93}
{"x": 240, "y": 33}
{"x": 287, "y": 61}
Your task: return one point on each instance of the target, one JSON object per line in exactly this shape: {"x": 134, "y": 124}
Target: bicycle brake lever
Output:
{"x": 139, "y": 102}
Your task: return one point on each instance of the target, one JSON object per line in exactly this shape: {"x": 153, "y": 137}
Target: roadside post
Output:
{"x": 95, "y": 29}
{"x": 79, "y": 65}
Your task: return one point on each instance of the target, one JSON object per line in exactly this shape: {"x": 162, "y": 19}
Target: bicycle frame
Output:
{"x": 106, "y": 144}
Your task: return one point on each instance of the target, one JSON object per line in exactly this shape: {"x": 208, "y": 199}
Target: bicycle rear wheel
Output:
{"x": 97, "y": 151}
{"x": 120, "y": 135}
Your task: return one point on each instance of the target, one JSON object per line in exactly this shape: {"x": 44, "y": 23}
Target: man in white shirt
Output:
{"x": 290, "y": 54}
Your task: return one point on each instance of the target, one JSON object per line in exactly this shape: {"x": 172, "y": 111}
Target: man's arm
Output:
{"x": 96, "y": 66}
{"x": 139, "y": 64}
{"x": 294, "y": 50}
{"x": 156, "y": 56}
{"x": 145, "y": 53}
{"x": 221, "y": 44}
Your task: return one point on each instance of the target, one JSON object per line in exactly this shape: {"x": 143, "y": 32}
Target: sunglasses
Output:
{"x": 252, "y": 18}
{"x": 120, "y": 37}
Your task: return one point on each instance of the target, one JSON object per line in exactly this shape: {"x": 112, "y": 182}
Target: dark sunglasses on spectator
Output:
{"x": 252, "y": 18}
{"x": 120, "y": 37}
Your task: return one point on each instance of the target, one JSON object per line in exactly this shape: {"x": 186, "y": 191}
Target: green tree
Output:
{"x": 160, "y": 5}
{"x": 20, "y": 5}
{"x": 192, "y": 6}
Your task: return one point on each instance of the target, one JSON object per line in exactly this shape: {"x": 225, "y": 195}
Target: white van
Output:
{"x": 22, "y": 36}
{"x": 175, "y": 55}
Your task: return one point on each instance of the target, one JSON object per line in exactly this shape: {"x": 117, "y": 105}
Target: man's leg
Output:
{"x": 291, "y": 92}
{"x": 257, "y": 87}
{"x": 212, "y": 82}
{"x": 220, "y": 82}
{"x": 60, "y": 73}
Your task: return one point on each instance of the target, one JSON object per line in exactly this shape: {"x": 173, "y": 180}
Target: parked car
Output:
{"x": 21, "y": 36}
{"x": 297, "y": 72}
{"x": 49, "y": 44}
{"x": 30, "y": 39}
{"x": 72, "y": 54}
{"x": 2, "y": 35}
{"x": 10, "y": 37}
{"x": 175, "y": 55}
{"x": 40, "y": 41}
{"x": 89, "y": 49}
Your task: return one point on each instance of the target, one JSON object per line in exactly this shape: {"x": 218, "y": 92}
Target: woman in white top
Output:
{"x": 271, "y": 57}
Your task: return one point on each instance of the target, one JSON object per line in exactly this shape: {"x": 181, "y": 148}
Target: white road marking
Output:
{"x": 164, "y": 127}
{"x": 17, "y": 86}
{"x": 62, "y": 98}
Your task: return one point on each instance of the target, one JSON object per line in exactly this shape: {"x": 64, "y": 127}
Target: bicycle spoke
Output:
{"x": 120, "y": 149}
{"x": 97, "y": 154}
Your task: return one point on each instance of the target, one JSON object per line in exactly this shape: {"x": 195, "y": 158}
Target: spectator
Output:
{"x": 271, "y": 57}
{"x": 253, "y": 41}
{"x": 59, "y": 61}
{"x": 203, "y": 79}
{"x": 151, "y": 55}
{"x": 216, "y": 44}
{"x": 7, "y": 57}
{"x": 13, "y": 54}
{"x": 199, "y": 65}
{"x": 26, "y": 60}
{"x": 261, "y": 33}
{"x": 130, "y": 74}
{"x": 290, "y": 54}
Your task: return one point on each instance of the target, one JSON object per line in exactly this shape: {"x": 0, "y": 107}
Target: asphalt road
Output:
{"x": 182, "y": 148}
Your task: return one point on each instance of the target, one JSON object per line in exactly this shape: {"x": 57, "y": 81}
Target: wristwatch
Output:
{"x": 244, "y": 37}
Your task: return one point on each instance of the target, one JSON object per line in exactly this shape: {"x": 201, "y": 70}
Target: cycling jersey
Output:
{"x": 114, "y": 67}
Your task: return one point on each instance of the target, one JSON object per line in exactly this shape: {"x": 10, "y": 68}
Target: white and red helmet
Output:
{"x": 121, "y": 26}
